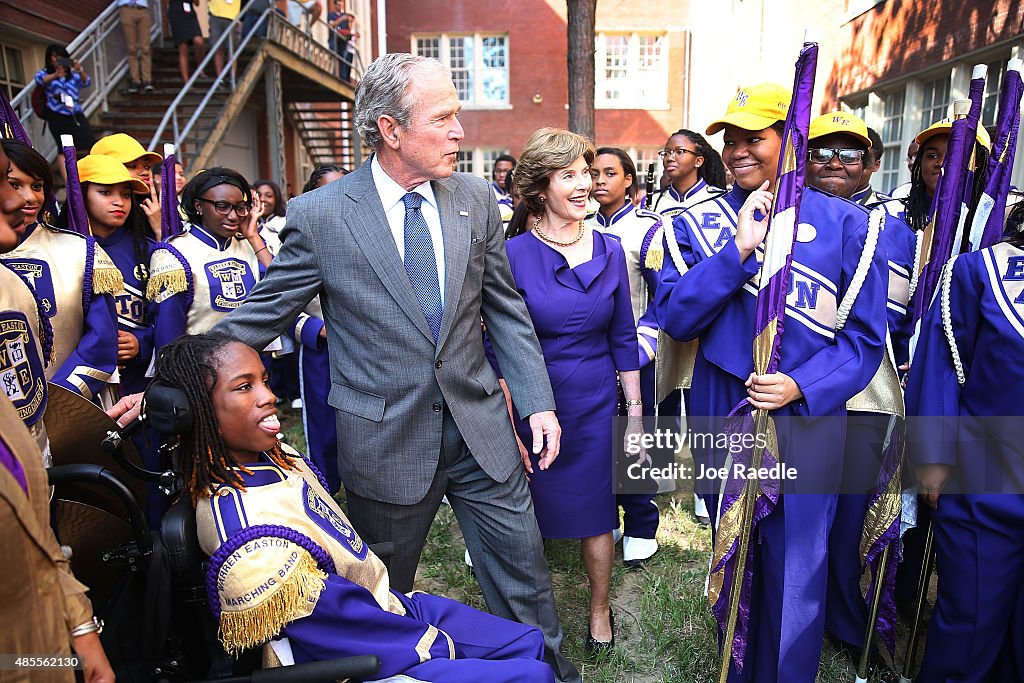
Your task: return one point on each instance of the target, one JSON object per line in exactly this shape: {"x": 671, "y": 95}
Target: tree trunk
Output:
{"x": 581, "y": 65}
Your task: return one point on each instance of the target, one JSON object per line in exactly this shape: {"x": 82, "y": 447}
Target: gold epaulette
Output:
{"x": 167, "y": 277}
{"x": 106, "y": 278}
{"x": 295, "y": 586}
{"x": 655, "y": 258}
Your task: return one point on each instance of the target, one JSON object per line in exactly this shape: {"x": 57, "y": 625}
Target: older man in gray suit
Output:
{"x": 407, "y": 257}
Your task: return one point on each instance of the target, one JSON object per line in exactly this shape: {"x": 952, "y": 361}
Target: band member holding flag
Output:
{"x": 916, "y": 211}
{"x": 827, "y": 280}
{"x": 967, "y": 367}
{"x": 967, "y": 433}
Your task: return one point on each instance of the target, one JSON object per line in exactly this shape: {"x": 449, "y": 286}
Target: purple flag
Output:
{"x": 10, "y": 124}
{"x": 170, "y": 219}
{"x": 78, "y": 219}
{"x": 946, "y": 214}
{"x": 746, "y": 503}
{"x": 989, "y": 216}
{"x": 977, "y": 93}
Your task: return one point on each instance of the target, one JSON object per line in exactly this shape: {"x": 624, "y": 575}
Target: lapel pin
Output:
{"x": 463, "y": 213}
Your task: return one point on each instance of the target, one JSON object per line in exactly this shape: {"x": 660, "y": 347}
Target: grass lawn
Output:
{"x": 664, "y": 627}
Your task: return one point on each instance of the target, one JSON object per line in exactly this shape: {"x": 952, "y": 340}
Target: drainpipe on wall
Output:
{"x": 382, "y": 28}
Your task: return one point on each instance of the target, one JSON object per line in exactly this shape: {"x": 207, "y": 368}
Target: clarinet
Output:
{"x": 649, "y": 186}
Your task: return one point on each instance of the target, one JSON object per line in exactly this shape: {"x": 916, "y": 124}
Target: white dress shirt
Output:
{"x": 391, "y": 194}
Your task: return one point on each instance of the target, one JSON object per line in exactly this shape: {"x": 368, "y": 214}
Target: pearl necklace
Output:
{"x": 540, "y": 234}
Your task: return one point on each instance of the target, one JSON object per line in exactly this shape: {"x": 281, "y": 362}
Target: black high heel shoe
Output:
{"x": 592, "y": 645}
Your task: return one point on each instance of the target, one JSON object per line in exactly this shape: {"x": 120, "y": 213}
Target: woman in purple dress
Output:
{"x": 575, "y": 285}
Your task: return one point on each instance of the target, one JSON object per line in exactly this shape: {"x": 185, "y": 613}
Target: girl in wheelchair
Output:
{"x": 286, "y": 566}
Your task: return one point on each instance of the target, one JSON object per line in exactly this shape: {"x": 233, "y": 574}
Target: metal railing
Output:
{"x": 269, "y": 25}
{"x": 175, "y": 112}
{"x": 101, "y": 49}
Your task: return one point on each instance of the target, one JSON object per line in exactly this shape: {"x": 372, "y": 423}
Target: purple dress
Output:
{"x": 584, "y": 321}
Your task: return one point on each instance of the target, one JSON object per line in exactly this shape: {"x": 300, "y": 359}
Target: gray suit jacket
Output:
{"x": 388, "y": 378}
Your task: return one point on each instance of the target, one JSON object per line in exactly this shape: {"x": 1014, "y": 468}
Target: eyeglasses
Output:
{"x": 225, "y": 208}
{"x": 677, "y": 152}
{"x": 847, "y": 157}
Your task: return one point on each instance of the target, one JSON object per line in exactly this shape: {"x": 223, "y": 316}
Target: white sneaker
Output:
{"x": 636, "y": 550}
{"x": 700, "y": 511}
{"x": 297, "y": 404}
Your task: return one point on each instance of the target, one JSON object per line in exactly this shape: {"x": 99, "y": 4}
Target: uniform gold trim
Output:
{"x": 85, "y": 371}
{"x": 425, "y": 643}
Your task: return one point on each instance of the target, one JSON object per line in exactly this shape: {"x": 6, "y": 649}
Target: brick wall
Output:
{"x": 53, "y": 21}
{"x": 713, "y": 48}
{"x": 537, "y": 53}
{"x": 898, "y": 38}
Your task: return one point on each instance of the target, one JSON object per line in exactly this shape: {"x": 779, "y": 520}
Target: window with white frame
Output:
{"x": 935, "y": 100}
{"x": 464, "y": 162}
{"x": 644, "y": 157}
{"x": 859, "y": 110}
{"x": 487, "y": 157}
{"x": 892, "y": 165}
{"x": 427, "y": 46}
{"x": 479, "y": 64}
{"x": 893, "y": 111}
{"x": 990, "y": 101}
{"x": 632, "y": 70}
{"x": 478, "y": 160}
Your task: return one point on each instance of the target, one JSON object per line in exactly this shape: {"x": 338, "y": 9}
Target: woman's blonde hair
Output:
{"x": 547, "y": 150}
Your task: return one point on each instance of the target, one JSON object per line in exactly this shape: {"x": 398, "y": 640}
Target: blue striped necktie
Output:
{"x": 420, "y": 262}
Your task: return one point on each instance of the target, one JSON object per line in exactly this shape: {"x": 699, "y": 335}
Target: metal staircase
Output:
{"x": 327, "y": 131}
{"x": 295, "y": 73}
{"x": 271, "y": 63}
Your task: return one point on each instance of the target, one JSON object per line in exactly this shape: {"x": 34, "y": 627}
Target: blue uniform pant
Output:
{"x": 317, "y": 416}
{"x": 787, "y": 608}
{"x": 976, "y": 628}
{"x": 640, "y": 514}
{"x": 847, "y": 612}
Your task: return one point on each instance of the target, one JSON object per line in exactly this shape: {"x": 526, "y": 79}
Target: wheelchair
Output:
{"x": 149, "y": 586}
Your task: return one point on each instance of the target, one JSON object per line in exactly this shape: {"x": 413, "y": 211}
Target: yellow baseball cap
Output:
{"x": 104, "y": 170}
{"x": 124, "y": 148}
{"x": 755, "y": 108}
{"x": 945, "y": 125}
{"x": 839, "y": 122}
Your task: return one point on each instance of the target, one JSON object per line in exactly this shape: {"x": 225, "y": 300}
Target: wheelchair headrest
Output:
{"x": 167, "y": 409}
{"x": 181, "y": 542}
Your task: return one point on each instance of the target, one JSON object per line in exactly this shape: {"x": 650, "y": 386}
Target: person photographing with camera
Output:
{"x": 62, "y": 79}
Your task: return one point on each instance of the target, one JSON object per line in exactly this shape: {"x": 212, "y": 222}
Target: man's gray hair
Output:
{"x": 384, "y": 89}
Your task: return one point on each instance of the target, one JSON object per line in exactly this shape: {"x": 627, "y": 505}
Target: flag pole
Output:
{"x": 768, "y": 327}
{"x": 750, "y": 491}
{"x": 922, "y": 596}
{"x": 869, "y": 632}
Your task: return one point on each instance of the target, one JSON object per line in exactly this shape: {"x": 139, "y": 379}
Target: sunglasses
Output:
{"x": 224, "y": 208}
{"x": 847, "y": 157}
